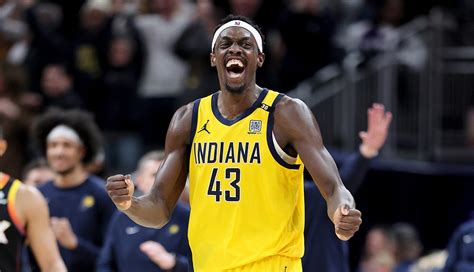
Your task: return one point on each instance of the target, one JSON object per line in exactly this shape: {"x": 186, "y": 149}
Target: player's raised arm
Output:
{"x": 154, "y": 208}
{"x": 297, "y": 130}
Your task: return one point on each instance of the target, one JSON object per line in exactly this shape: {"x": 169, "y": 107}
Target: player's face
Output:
{"x": 236, "y": 58}
{"x": 64, "y": 154}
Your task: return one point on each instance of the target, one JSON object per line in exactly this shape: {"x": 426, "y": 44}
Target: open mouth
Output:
{"x": 235, "y": 68}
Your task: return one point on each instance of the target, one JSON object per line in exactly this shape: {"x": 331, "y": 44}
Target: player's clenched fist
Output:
{"x": 346, "y": 221}
{"x": 120, "y": 189}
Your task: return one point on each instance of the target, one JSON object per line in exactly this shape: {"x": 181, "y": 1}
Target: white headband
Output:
{"x": 64, "y": 132}
{"x": 241, "y": 24}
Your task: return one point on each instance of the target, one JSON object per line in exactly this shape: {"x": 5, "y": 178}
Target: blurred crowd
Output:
{"x": 132, "y": 63}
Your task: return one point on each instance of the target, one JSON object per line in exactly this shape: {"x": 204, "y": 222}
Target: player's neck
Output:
{"x": 72, "y": 178}
{"x": 232, "y": 104}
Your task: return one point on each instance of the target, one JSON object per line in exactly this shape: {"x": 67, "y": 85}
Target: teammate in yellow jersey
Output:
{"x": 244, "y": 148}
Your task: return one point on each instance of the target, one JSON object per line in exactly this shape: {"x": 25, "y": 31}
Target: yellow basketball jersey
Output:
{"x": 247, "y": 200}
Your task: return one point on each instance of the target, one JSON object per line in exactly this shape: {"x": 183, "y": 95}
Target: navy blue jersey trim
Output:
{"x": 275, "y": 154}
{"x": 223, "y": 120}
{"x": 194, "y": 120}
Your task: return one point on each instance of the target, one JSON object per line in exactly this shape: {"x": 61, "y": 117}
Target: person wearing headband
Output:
{"x": 24, "y": 215}
{"x": 244, "y": 149}
{"x": 79, "y": 207}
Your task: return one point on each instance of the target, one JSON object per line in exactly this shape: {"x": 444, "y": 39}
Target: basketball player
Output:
{"x": 24, "y": 215}
{"x": 243, "y": 148}
{"x": 79, "y": 206}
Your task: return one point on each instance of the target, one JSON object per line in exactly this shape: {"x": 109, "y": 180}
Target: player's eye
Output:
{"x": 247, "y": 45}
{"x": 224, "y": 44}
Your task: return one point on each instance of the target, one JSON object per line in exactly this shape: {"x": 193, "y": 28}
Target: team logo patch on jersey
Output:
{"x": 173, "y": 229}
{"x": 255, "y": 127}
{"x": 87, "y": 202}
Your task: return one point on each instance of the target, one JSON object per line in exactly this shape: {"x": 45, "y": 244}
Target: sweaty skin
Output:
{"x": 295, "y": 128}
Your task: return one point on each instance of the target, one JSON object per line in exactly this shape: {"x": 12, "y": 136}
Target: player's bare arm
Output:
{"x": 33, "y": 211}
{"x": 297, "y": 132}
{"x": 154, "y": 209}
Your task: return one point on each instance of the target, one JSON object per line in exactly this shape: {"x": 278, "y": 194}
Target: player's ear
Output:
{"x": 3, "y": 147}
{"x": 213, "y": 60}
{"x": 260, "y": 59}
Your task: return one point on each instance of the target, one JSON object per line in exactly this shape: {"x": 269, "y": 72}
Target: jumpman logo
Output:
{"x": 204, "y": 128}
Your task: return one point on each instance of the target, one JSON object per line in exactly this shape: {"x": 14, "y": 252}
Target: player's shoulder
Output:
{"x": 31, "y": 196}
{"x": 289, "y": 107}
{"x": 182, "y": 117}
{"x": 29, "y": 191}
{"x": 180, "y": 126}
{"x": 185, "y": 110}
{"x": 286, "y": 103}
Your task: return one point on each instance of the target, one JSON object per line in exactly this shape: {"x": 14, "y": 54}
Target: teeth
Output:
{"x": 234, "y": 62}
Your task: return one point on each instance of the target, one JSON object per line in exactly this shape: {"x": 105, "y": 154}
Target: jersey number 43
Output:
{"x": 233, "y": 176}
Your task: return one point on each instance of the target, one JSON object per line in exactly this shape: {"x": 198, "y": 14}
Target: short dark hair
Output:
{"x": 232, "y": 17}
{"x": 36, "y": 163}
{"x": 80, "y": 121}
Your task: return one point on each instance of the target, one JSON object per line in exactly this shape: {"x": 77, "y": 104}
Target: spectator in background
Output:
{"x": 89, "y": 51}
{"x": 123, "y": 144}
{"x": 461, "y": 248}
{"x": 193, "y": 47}
{"x": 379, "y": 251}
{"x": 382, "y": 33}
{"x": 37, "y": 172}
{"x": 408, "y": 247}
{"x": 79, "y": 206}
{"x": 17, "y": 116}
{"x": 57, "y": 88}
{"x": 307, "y": 32}
{"x": 164, "y": 74}
{"x": 323, "y": 250}
{"x": 46, "y": 43}
{"x": 12, "y": 28}
{"x": 131, "y": 247}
